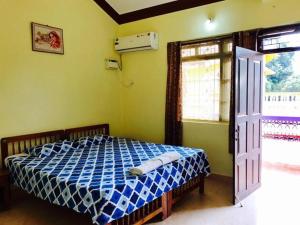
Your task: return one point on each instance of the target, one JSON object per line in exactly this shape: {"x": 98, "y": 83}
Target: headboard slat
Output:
{"x": 17, "y": 144}
{"x": 78, "y": 132}
{"x": 13, "y": 148}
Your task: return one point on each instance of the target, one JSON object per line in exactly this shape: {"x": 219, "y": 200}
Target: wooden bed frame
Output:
{"x": 160, "y": 207}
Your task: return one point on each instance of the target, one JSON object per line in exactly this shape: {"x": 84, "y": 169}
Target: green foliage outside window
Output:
{"x": 285, "y": 78}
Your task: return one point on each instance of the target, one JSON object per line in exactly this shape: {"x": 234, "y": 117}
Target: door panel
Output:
{"x": 256, "y": 130}
{"x": 241, "y": 171}
{"x": 248, "y": 95}
{"x": 242, "y": 92}
{"x": 241, "y": 139}
{"x": 257, "y": 88}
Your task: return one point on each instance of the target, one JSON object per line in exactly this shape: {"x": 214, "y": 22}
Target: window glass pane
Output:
{"x": 206, "y": 89}
{"x": 225, "y": 101}
{"x": 227, "y": 47}
{"x": 225, "y": 89}
{"x": 201, "y": 89}
{"x": 188, "y": 52}
{"x": 227, "y": 68}
{"x": 208, "y": 49}
{"x": 284, "y": 41}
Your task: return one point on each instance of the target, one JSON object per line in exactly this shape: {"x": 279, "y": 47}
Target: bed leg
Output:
{"x": 166, "y": 204}
{"x": 201, "y": 184}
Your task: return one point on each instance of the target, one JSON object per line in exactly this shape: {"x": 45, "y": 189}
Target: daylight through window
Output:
{"x": 206, "y": 72}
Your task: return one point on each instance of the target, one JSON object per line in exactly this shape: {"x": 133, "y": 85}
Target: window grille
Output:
{"x": 206, "y": 73}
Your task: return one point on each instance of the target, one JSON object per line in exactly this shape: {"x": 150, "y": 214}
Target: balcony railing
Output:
{"x": 281, "y": 127}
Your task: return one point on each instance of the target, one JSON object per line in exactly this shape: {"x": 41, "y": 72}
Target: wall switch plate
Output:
{"x": 111, "y": 64}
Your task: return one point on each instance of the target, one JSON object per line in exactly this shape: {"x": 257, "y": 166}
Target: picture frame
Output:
{"x": 47, "y": 39}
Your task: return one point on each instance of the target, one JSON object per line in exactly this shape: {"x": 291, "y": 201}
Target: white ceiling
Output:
{"x": 125, "y": 6}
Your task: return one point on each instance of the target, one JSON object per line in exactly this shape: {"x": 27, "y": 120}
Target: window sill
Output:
{"x": 206, "y": 122}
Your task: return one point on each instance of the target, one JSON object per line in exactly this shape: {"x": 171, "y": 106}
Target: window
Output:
{"x": 279, "y": 39}
{"x": 206, "y": 72}
{"x": 284, "y": 41}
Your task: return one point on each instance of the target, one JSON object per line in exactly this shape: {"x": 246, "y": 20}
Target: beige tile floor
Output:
{"x": 273, "y": 150}
{"x": 277, "y": 202}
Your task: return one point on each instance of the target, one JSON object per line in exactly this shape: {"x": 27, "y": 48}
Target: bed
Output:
{"x": 94, "y": 178}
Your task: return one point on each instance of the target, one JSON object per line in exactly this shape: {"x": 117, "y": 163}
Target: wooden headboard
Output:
{"x": 74, "y": 133}
{"x": 17, "y": 144}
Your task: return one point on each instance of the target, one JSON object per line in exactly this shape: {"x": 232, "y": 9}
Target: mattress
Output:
{"x": 95, "y": 180}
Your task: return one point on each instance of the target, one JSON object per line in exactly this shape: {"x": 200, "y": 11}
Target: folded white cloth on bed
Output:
{"x": 154, "y": 163}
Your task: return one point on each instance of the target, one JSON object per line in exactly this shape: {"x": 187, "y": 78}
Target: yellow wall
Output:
{"x": 42, "y": 91}
{"x": 144, "y": 103}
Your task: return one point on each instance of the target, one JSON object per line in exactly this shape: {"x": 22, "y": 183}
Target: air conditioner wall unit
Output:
{"x": 137, "y": 42}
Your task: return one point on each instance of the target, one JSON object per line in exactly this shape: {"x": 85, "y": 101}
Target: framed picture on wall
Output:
{"x": 47, "y": 39}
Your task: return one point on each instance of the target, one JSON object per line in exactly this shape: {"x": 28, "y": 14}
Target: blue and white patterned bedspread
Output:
{"x": 95, "y": 180}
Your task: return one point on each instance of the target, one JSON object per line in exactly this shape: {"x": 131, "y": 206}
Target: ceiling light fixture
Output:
{"x": 210, "y": 23}
{"x": 209, "y": 20}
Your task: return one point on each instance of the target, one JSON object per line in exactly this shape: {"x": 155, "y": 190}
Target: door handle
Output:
{"x": 237, "y": 134}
